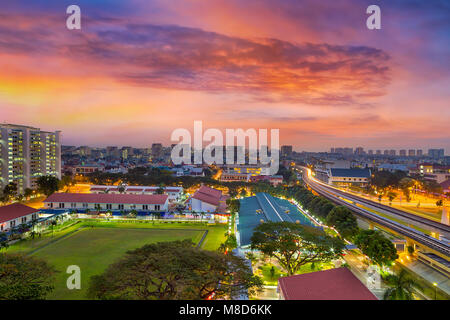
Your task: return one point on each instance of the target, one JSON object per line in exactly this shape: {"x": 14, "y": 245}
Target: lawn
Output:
{"x": 94, "y": 245}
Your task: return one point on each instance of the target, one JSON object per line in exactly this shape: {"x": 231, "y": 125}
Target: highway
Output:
{"x": 338, "y": 196}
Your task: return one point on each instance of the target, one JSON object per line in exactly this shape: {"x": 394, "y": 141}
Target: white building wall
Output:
{"x": 18, "y": 221}
{"x": 200, "y": 206}
{"x": 103, "y": 206}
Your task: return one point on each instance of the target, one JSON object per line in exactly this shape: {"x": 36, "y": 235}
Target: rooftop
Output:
{"x": 108, "y": 198}
{"x": 333, "y": 284}
{"x": 14, "y": 211}
{"x": 351, "y": 173}
{"x": 265, "y": 207}
{"x": 208, "y": 195}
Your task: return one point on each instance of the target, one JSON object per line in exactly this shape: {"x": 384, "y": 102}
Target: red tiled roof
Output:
{"x": 108, "y": 198}
{"x": 208, "y": 195}
{"x": 14, "y": 211}
{"x": 445, "y": 184}
{"x": 333, "y": 284}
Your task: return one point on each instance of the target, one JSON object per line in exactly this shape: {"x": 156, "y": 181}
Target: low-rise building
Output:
{"x": 445, "y": 186}
{"x": 348, "y": 176}
{"x": 273, "y": 180}
{"x": 105, "y": 201}
{"x": 15, "y": 214}
{"x": 235, "y": 176}
{"x": 332, "y": 284}
{"x": 86, "y": 169}
{"x": 174, "y": 193}
{"x": 207, "y": 199}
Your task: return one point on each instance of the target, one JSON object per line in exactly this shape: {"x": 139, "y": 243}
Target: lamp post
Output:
{"x": 435, "y": 290}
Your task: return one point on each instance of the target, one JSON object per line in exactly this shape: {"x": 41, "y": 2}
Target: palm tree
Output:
{"x": 133, "y": 213}
{"x": 53, "y": 223}
{"x": 401, "y": 287}
{"x": 4, "y": 245}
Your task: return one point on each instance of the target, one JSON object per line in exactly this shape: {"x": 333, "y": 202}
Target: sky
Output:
{"x": 139, "y": 69}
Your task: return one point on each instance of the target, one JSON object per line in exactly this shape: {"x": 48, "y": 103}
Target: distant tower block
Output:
{"x": 445, "y": 217}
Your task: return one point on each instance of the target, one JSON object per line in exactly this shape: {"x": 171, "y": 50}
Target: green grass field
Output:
{"x": 94, "y": 245}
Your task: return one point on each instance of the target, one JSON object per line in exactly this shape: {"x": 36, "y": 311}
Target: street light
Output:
{"x": 435, "y": 290}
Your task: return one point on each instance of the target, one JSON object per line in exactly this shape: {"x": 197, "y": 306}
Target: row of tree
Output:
{"x": 379, "y": 248}
{"x": 46, "y": 185}
{"x": 382, "y": 181}
{"x": 163, "y": 271}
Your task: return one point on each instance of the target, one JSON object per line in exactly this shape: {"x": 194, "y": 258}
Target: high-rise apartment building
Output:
{"x": 359, "y": 151}
{"x": 436, "y": 153}
{"x": 157, "y": 149}
{"x": 27, "y": 153}
{"x": 286, "y": 151}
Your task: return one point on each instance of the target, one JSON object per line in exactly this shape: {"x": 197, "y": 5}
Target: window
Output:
{"x": 24, "y": 219}
{"x": 85, "y": 205}
{"x": 108, "y": 206}
{"x": 133, "y": 206}
{"x": 73, "y": 205}
{"x": 12, "y": 224}
{"x": 157, "y": 207}
{"x": 51, "y": 205}
{"x": 61, "y": 205}
{"x": 120, "y": 206}
{"x": 145, "y": 207}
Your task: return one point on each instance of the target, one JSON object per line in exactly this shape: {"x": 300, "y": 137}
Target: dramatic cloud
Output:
{"x": 191, "y": 59}
{"x": 140, "y": 68}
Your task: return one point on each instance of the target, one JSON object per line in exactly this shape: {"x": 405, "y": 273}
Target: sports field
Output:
{"x": 95, "y": 245}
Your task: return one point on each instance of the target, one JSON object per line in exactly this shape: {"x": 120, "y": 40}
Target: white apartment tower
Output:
{"x": 26, "y": 153}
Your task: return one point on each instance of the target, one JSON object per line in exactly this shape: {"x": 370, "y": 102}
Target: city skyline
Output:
{"x": 138, "y": 71}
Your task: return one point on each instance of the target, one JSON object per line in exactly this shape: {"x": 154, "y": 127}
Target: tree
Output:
{"x": 66, "y": 181}
{"x": 3, "y": 242}
{"x": 431, "y": 186}
{"x": 344, "y": 221}
{"x": 27, "y": 193}
{"x": 229, "y": 244}
{"x": 24, "y": 277}
{"x": 232, "y": 192}
{"x": 376, "y": 246}
{"x": 234, "y": 205}
{"x": 10, "y": 191}
{"x": 295, "y": 245}
{"x": 401, "y": 287}
{"x": 391, "y": 196}
{"x": 160, "y": 189}
{"x": 53, "y": 223}
{"x": 48, "y": 185}
{"x": 133, "y": 213}
{"x": 174, "y": 270}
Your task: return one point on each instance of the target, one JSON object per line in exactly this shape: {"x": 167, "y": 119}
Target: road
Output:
{"x": 343, "y": 198}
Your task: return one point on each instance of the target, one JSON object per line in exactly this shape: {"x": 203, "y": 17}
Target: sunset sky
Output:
{"x": 138, "y": 69}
